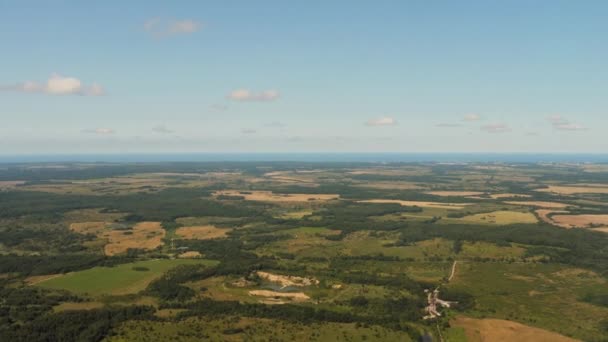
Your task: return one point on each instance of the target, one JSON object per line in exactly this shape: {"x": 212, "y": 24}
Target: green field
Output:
{"x": 118, "y": 280}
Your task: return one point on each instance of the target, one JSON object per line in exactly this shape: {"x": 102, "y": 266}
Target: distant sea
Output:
{"x": 314, "y": 157}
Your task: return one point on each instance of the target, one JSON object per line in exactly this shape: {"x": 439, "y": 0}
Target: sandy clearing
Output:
{"x": 144, "y": 235}
{"x": 296, "y": 296}
{"x": 580, "y": 221}
{"x": 499, "y": 330}
{"x": 543, "y": 214}
{"x": 269, "y": 196}
{"x": 207, "y": 232}
{"x": 422, "y": 204}
{"x": 571, "y": 190}
{"x": 540, "y": 204}
{"x": 508, "y": 195}
{"x": 454, "y": 193}
{"x": 287, "y": 280}
{"x": 190, "y": 255}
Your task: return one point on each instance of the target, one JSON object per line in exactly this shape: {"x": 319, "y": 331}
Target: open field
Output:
{"x": 10, "y": 184}
{"x": 422, "y": 204}
{"x": 580, "y": 221}
{"x": 501, "y": 217}
{"x": 119, "y": 280}
{"x": 499, "y": 330}
{"x": 202, "y": 232}
{"x": 269, "y": 196}
{"x": 454, "y": 193}
{"x": 575, "y": 189}
{"x": 295, "y": 296}
{"x": 539, "y": 204}
{"x": 144, "y": 235}
{"x": 508, "y": 195}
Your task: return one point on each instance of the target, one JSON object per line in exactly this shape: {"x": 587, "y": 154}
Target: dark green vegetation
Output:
{"x": 327, "y": 268}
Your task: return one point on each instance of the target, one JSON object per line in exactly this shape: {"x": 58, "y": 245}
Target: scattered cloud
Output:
{"x": 496, "y": 128}
{"x": 248, "y": 95}
{"x": 471, "y": 117}
{"x": 532, "y": 134}
{"x": 448, "y": 125}
{"x": 57, "y": 85}
{"x": 161, "y": 129}
{"x": 383, "y": 121}
{"x": 100, "y": 131}
{"x": 562, "y": 124}
{"x": 248, "y": 131}
{"x": 163, "y": 28}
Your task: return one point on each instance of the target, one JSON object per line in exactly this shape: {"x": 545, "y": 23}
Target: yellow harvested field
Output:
{"x": 296, "y": 296}
{"x": 543, "y": 214}
{"x": 571, "y": 190}
{"x": 10, "y": 184}
{"x": 508, "y": 195}
{"x": 207, "y": 232}
{"x": 454, "y": 193}
{"x": 269, "y": 196}
{"x": 501, "y": 217}
{"x": 389, "y": 185}
{"x": 287, "y": 280}
{"x": 422, "y": 204}
{"x": 95, "y": 228}
{"x": 500, "y": 330}
{"x": 190, "y": 255}
{"x": 144, "y": 235}
{"x": 540, "y": 204}
{"x": 580, "y": 221}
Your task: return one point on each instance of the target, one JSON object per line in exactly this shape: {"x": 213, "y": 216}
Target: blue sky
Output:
{"x": 307, "y": 76}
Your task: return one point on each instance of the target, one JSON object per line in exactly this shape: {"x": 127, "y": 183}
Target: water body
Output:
{"x": 314, "y": 157}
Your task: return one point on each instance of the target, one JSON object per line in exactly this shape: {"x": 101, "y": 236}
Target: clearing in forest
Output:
{"x": 576, "y": 189}
{"x": 501, "y": 217}
{"x": 580, "y": 221}
{"x": 144, "y": 235}
{"x": 207, "y": 232}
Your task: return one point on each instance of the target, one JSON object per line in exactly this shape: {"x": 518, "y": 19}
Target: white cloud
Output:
{"x": 496, "y": 128}
{"x": 248, "y": 95}
{"x": 57, "y": 85}
{"x": 383, "y": 121}
{"x": 219, "y": 107}
{"x": 562, "y": 124}
{"x": 163, "y": 28}
{"x": 100, "y": 131}
{"x": 471, "y": 117}
{"x": 248, "y": 131}
{"x": 162, "y": 129}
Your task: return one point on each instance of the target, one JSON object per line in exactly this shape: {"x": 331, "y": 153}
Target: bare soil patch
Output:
{"x": 207, "y": 232}
{"x": 422, "y": 204}
{"x": 286, "y": 281}
{"x": 10, "y": 184}
{"x": 190, "y": 255}
{"x": 499, "y": 330}
{"x": 144, "y": 235}
{"x": 295, "y": 296}
{"x": 95, "y": 228}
